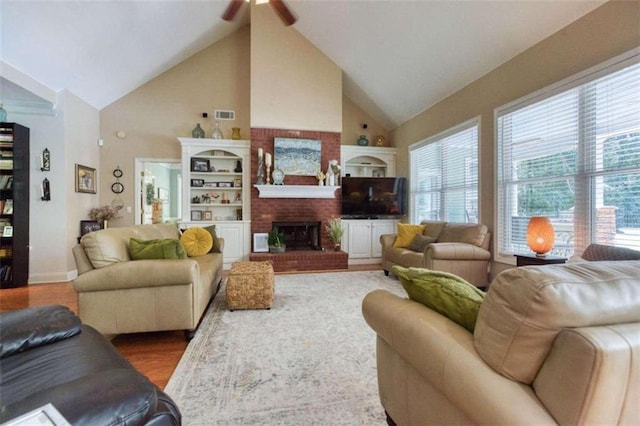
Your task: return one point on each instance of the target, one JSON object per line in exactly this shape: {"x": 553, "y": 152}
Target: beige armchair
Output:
{"x": 555, "y": 344}
{"x": 459, "y": 248}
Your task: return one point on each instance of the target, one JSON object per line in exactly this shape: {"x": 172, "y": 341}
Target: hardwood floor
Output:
{"x": 155, "y": 355}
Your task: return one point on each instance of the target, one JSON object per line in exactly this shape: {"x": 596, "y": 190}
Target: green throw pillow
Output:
{"x": 216, "y": 243}
{"x": 156, "y": 249}
{"x": 443, "y": 292}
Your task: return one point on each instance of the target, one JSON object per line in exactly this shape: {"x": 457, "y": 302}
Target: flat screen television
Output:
{"x": 373, "y": 197}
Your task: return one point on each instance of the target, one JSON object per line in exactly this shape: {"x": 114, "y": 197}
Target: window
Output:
{"x": 572, "y": 153}
{"x": 444, "y": 176}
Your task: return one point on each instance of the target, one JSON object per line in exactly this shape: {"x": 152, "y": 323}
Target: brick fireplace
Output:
{"x": 265, "y": 211}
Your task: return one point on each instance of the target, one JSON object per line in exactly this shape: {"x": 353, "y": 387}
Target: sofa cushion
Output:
{"x": 167, "y": 248}
{"x": 526, "y": 308}
{"x": 470, "y": 233}
{"x": 443, "y": 292}
{"x": 419, "y": 243}
{"x": 406, "y": 233}
{"x": 196, "y": 241}
{"x": 109, "y": 246}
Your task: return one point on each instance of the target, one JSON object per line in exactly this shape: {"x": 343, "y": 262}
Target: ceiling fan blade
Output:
{"x": 283, "y": 12}
{"x": 232, "y": 9}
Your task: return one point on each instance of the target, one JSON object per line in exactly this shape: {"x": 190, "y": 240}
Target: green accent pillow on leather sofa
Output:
{"x": 445, "y": 293}
{"x": 168, "y": 248}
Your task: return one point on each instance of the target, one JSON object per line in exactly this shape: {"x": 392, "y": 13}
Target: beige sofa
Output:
{"x": 556, "y": 344}
{"x": 117, "y": 295}
{"x": 459, "y": 248}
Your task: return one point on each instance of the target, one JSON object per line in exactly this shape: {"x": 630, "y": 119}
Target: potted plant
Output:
{"x": 276, "y": 240}
{"x": 335, "y": 230}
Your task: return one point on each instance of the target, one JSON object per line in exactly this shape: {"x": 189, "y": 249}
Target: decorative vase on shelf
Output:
{"x": 235, "y": 133}
{"x": 217, "y": 133}
{"x": 198, "y": 132}
{"x": 363, "y": 141}
{"x": 105, "y": 224}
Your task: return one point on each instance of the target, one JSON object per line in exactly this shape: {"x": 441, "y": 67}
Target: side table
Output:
{"x": 531, "y": 259}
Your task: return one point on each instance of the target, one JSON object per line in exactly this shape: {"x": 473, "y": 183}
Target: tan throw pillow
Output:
{"x": 406, "y": 234}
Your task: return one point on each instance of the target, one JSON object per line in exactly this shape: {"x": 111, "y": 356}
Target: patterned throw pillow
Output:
{"x": 445, "y": 293}
{"x": 406, "y": 234}
{"x": 168, "y": 248}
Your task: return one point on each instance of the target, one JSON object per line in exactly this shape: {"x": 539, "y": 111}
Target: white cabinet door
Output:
{"x": 234, "y": 241}
{"x": 380, "y": 227}
{"x": 359, "y": 239}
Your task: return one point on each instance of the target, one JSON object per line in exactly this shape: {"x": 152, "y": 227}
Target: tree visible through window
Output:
{"x": 574, "y": 156}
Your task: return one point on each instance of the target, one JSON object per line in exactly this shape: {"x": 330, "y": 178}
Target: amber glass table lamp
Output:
{"x": 540, "y": 235}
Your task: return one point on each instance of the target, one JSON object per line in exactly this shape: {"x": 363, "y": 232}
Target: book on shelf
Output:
{"x": 5, "y": 272}
{"x": 6, "y": 164}
{"x": 8, "y": 206}
{"x": 6, "y": 182}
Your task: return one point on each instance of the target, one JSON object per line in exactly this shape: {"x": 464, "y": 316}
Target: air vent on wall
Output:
{"x": 222, "y": 114}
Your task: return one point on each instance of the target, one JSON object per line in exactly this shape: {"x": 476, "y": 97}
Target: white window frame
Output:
{"x": 608, "y": 67}
{"x": 474, "y": 122}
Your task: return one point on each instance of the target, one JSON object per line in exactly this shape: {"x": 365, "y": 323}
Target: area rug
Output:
{"x": 309, "y": 360}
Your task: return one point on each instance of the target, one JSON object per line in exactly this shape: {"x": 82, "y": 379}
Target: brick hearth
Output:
{"x": 264, "y": 211}
{"x": 307, "y": 260}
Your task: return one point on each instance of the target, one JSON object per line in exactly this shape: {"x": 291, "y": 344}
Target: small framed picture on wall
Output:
{"x": 260, "y": 242}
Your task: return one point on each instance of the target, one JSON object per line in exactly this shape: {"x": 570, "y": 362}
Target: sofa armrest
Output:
{"x": 456, "y": 251}
{"x": 28, "y": 328}
{"x": 442, "y": 353}
{"x": 138, "y": 273}
{"x": 387, "y": 240}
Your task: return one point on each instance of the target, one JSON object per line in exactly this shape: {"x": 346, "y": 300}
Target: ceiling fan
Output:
{"x": 278, "y": 5}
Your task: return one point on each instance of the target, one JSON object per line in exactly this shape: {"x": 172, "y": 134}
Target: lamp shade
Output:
{"x": 540, "y": 235}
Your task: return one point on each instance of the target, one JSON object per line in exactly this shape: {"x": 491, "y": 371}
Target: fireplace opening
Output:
{"x": 300, "y": 235}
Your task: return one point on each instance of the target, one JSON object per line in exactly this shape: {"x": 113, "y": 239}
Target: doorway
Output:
{"x": 159, "y": 190}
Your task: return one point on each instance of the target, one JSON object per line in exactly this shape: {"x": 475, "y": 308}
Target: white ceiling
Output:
{"x": 398, "y": 56}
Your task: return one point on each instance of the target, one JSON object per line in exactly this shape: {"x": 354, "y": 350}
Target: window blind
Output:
{"x": 444, "y": 176}
{"x": 573, "y": 156}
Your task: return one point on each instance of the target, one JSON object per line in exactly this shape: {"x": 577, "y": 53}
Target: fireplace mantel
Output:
{"x": 296, "y": 191}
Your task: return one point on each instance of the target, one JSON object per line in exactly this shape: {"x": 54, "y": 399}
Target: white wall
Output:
{"x": 69, "y": 129}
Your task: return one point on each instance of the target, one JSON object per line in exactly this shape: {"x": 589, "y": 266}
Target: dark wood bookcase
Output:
{"x": 14, "y": 198}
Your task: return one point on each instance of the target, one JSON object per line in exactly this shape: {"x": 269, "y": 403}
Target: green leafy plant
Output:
{"x": 335, "y": 230}
{"x": 276, "y": 238}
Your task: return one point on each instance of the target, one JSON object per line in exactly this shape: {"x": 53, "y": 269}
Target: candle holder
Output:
{"x": 46, "y": 190}
{"x": 260, "y": 172}
{"x": 268, "y": 175}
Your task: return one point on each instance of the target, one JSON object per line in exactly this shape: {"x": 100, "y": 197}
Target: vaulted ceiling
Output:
{"x": 398, "y": 56}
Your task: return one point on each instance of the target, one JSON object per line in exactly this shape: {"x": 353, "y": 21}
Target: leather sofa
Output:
{"x": 554, "y": 344}
{"x": 459, "y": 248}
{"x": 48, "y": 357}
{"x": 117, "y": 295}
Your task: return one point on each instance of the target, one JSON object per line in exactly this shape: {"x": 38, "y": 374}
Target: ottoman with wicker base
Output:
{"x": 250, "y": 285}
